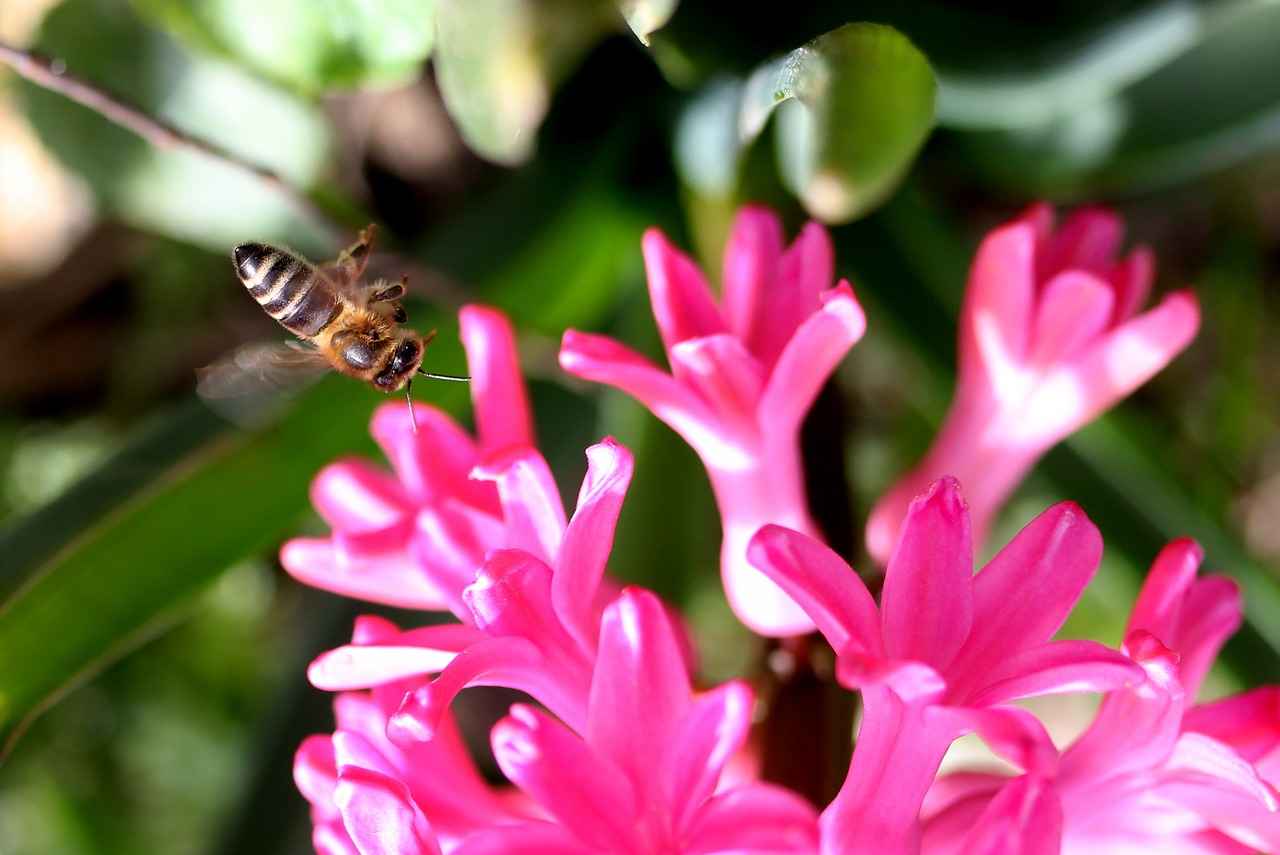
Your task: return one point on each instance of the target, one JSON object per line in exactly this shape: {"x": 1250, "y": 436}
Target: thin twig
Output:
{"x": 52, "y": 74}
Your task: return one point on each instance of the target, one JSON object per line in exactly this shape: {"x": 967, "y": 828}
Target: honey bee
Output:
{"x": 350, "y": 326}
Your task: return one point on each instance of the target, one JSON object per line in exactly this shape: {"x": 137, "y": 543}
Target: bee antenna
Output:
{"x": 444, "y": 376}
{"x": 413, "y": 417}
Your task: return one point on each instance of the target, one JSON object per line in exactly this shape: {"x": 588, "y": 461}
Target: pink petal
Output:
{"x": 588, "y": 539}
{"x": 1074, "y": 309}
{"x": 877, "y": 811}
{"x": 996, "y": 316}
{"x": 357, "y": 666}
{"x": 315, "y": 771}
{"x": 392, "y": 582}
{"x": 1136, "y": 727}
{"x": 1087, "y": 240}
{"x": 1059, "y": 666}
{"x": 629, "y": 725}
{"x": 511, "y": 662}
{"x": 1024, "y": 818}
{"x": 750, "y": 271}
{"x": 532, "y": 837}
{"x": 721, "y": 371}
{"x": 434, "y": 463}
{"x": 603, "y": 360}
{"x": 1132, "y": 279}
{"x": 682, "y": 303}
{"x": 1208, "y": 760}
{"x": 380, "y": 815}
{"x": 354, "y": 494}
{"x": 503, "y": 416}
{"x": 754, "y": 819}
{"x": 805, "y": 271}
{"x": 1193, "y": 616}
{"x": 531, "y": 507}
{"x": 582, "y": 790}
{"x": 1023, "y": 595}
{"x": 926, "y": 606}
{"x": 1112, "y": 367}
{"x": 824, "y": 585}
{"x": 1013, "y": 733}
{"x": 1249, "y": 722}
{"x": 714, "y": 728}
{"x": 810, "y": 356}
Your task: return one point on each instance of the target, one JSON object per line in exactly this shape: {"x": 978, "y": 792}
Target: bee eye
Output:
{"x": 408, "y": 356}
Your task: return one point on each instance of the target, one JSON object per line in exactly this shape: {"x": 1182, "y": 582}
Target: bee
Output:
{"x": 343, "y": 324}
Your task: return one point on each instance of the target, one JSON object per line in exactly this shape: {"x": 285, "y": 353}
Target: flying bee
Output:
{"x": 351, "y": 327}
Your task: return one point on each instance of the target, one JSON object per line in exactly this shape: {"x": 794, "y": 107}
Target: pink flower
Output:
{"x": 946, "y": 651}
{"x": 631, "y": 762}
{"x": 1049, "y": 340}
{"x": 415, "y": 536}
{"x": 641, "y": 775}
{"x": 361, "y": 785}
{"x": 1150, "y": 774}
{"x": 744, "y": 373}
{"x": 533, "y": 610}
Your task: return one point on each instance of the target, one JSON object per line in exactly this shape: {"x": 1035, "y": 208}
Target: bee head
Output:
{"x": 404, "y": 362}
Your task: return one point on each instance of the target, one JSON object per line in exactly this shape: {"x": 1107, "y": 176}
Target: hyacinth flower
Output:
{"x": 1050, "y": 338}
{"x": 1152, "y": 773}
{"x": 745, "y": 371}
{"x": 631, "y": 763}
{"x": 354, "y": 775}
{"x": 533, "y": 609}
{"x": 946, "y": 651}
{"x": 414, "y": 536}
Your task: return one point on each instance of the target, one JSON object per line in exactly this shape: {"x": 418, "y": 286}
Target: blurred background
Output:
{"x": 152, "y": 654}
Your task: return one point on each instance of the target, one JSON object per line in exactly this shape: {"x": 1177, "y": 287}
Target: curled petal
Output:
{"x": 927, "y": 607}
{"x": 503, "y": 416}
{"x": 433, "y": 463}
{"x": 530, "y": 501}
{"x": 380, "y": 815}
{"x": 393, "y": 581}
{"x": 825, "y": 587}
{"x": 754, "y": 819}
{"x": 682, "y": 303}
{"x": 589, "y": 539}
{"x": 575, "y": 785}
{"x": 1023, "y": 595}
{"x": 1074, "y": 309}
{"x": 715, "y": 727}
{"x": 427, "y": 650}
{"x": 809, "y": 357}
{"x": 1112, "y": 367}
{"x": 603, "y": 360}
{"x": 358, "y": 496}
{"x": 750, "y": 272}
{"x": 637, "y": 648}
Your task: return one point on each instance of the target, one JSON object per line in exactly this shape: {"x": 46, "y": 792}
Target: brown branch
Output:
{"x": 52, "y": 74}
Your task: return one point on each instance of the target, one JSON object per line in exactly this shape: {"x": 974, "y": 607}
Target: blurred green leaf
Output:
{"x": 308, "y": 46}
{"x": 177, "y": 191}
{"x": 87, "y": 576}
{"x": 1182, "y": 119}
{"x": 864, "y": 99}
{"x": 499, "y": 61}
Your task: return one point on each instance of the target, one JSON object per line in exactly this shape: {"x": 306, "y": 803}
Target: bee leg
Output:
{"x": 413, "y": 417}
{"x": 351, "y": 261}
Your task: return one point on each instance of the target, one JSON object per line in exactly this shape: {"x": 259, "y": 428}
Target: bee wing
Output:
{"x": 252, "y": 383}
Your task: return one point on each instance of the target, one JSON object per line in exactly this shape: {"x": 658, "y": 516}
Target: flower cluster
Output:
{"x": 619, "y": 749}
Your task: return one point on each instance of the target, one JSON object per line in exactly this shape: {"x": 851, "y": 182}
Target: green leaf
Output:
{"x": 499, "y": 61}
{"x": 863, "y": 100}
{"x": 175, "y": 190}
{"x": 310, "y": 46}
{"x": 1186, "y": 116}
{"x": 91, "y": 574}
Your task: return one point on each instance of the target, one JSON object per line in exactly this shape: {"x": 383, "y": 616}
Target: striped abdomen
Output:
{"x": 287, "y": 287}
